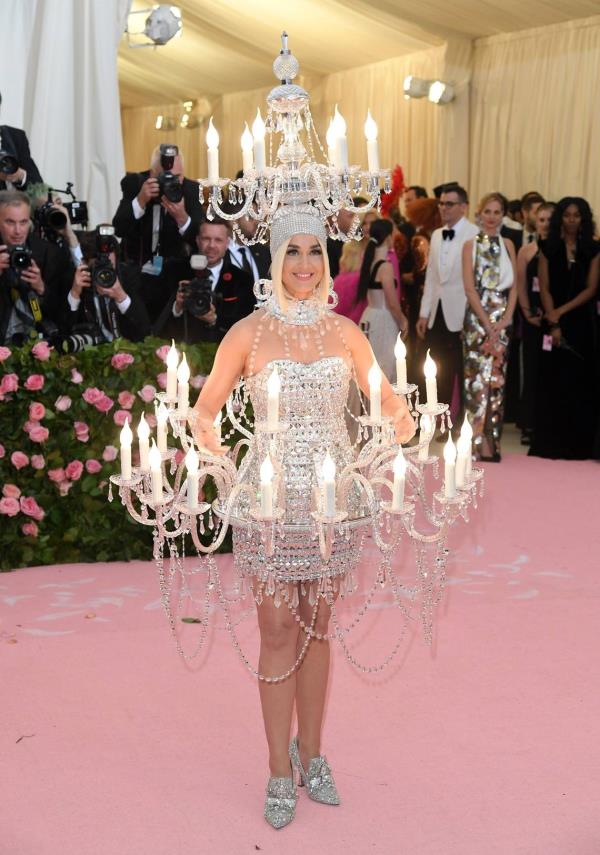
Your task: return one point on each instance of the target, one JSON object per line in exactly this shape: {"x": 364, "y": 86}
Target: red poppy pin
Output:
{"x": 227, "y": 277}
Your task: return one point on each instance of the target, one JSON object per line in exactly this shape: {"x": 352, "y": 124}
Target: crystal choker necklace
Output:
{"x": 300, "y": 312}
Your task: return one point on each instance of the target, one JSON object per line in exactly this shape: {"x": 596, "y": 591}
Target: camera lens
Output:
{"x": 105, "y": 277}
{"x": 56, "y": 219}
{"x": 8, "y": 163}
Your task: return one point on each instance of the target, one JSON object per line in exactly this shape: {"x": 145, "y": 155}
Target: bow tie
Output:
{"x": 448, "y": 234}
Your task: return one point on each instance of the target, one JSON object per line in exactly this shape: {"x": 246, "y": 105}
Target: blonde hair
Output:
{"x": 491, "y": 197}
{"x": 322, "y": 290}
{"x": 352, "y": 254}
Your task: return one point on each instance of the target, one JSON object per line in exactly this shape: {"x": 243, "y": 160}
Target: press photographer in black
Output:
{"x": 17, "y": 167}
{"x": 104, "y": 301}
{"x": 33, "y": 275}
{"x": 158, "y": 219}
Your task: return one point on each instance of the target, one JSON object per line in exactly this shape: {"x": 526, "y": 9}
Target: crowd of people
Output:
{"x": 507, "y": 305}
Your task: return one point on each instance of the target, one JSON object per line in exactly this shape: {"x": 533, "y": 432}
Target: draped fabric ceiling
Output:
{"x": 356, "y": 53}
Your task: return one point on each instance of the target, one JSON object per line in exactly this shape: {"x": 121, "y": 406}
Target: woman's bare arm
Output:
{"x": 385, "y": 275}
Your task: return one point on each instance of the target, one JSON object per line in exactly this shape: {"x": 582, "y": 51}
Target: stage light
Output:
{"x": 416, "y": 87}
{"x": 440, "y": 92}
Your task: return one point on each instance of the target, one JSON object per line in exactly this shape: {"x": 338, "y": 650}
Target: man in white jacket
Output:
{"x": 443, "y": 304}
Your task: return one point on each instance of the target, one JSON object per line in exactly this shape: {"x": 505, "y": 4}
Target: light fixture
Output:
{"x": 165, "y": 123}
{"x": 416, "y": 87}
{"x": 160, "y": 26}
{"x": 440, "y": 92}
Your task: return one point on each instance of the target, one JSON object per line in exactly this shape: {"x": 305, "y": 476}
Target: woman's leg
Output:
{"x": 278, "y": 640}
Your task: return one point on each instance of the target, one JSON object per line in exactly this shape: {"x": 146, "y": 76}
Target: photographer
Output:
{"x": 104, "y": 302}
{"x": 33, "y": 275}
{"x": 52, "y": 222}
{"x": 206, "y": 302}
{"x": 17, "y": 168}
{"x": 158, "y": 216}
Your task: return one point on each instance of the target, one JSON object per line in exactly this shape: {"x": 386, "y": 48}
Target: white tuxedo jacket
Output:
{"x": 447, "y": 284}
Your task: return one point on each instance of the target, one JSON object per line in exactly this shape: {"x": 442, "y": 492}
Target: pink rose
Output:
{"x": 29, "y": 426}
{"x": 18, "y": 459}
{"x": 198, "y": 381}
{"x": 64, "y": 487}
{"x": 56, "y": 475}
{"x": 126, "y": 400}
{"x": 39, "y": 434}
{"x": 161, "y": 379}
{"x": 92, "y": 395}
{"x": 151, "y": 419}
{"x": 161, "y": 352}
{"x": 37, "y": 461}
{"x": 9, "y": 383}
{"x": 93, "y": 466}
{"x": 9, "y": 506}
{"x": 2, "y": 451}
{"x": 147, "y": 393}
{"x": 105, "y": 404}
{"x": 73, "y": 470}
{"x": 29, "y": 529}
{"x": 37, "y": 411}
{"x": 41, "y": 351}
{"x": 82, "y": 431}
{"x": 35, "y": 382}
{"x": 62, "y": 403}
{"x": 121, "y": 360}
{"x": 76, "y": 377}
{"x": 121, "y": 416}
{"x": 30, "y": 507}
{"x": 4, "y": 353}
{"x": 110, "y": 453}
{"x": 11, "y": 491}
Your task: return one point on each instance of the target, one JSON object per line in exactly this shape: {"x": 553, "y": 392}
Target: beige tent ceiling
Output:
{"x": 229, "y": 45}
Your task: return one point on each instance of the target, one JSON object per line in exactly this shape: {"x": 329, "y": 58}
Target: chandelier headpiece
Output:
{"x": 290, "y": 220}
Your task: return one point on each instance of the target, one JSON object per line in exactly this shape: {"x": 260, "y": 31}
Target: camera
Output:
{"x": 8, "y": 163}
{"x": 84, "y": 335}
{"x": 198, "y": 292}
{"x": 103, "y": 271}
{"x": 20, "y": 258}
{"x": 78, "y": 213}
{"x": 169, "y": 184}
{"x": 49, "y": 217}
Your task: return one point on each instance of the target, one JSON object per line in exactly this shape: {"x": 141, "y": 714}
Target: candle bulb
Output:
{"x": 266, "y": 487}
{"x": 374, "y": 378}
{"x": 331, "y": 144}
{"x": 329, "y": 485}
{"x": 467, "y": 431}
{"x": 425, "y": 425}
{"x": 143, "y": 432}
{"x": 463, "y": 447}
{"x": 162, "y": 417}
{"x": 399, "y": 481}
{"x": 217, "y": 426}
{"x": 339, "y": 126}
{"x": 247, "y": 154}
{"x": 212, "y": 141}
{"x": 172, "y": 360}
{"x": 273, "y": 387}
{"x": 430, "y": 381}
{"x": 450, "y": 468}
{"x": 183, "y": 387}
{"x": 126, "y": 438}
{"x": 156, "y": 473}
{"x": 400, "y": 354}
{"x": 372, "y": 150}
{"x": 191, "y": 464}
{"x": 258, "y": 134}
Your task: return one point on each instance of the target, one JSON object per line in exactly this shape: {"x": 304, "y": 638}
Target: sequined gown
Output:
{"x": 485, "y": 370}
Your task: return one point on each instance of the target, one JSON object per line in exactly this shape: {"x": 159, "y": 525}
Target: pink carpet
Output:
{"x": 488, "y": 744}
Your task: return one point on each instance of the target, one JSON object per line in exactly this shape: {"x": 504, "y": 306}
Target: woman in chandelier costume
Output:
{"x": 317, "y": 354}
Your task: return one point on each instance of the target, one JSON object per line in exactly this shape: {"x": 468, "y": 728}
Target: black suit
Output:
{"x": 262, "y": 258}
{"x": 14, "y": 141}
{"x": 515, "y": 235}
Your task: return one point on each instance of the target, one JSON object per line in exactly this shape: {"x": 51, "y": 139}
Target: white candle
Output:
{"x": 258, "y": 134}
{"x": 172, "y": 360}
{"x": 217, "y": 426}
{"x": 463, "y": 447}
{"x": 374, "y": 378}
{"x": 273, "y": 387}
{"x": 331, "y": 144}
{"x": 450, "y": 468}
{"x": 341, "y": 142}
{"x": 430, "y": 381}
{"x": 467, "y": 431}
{"x": 126, "y": 439}
{"x": 191, "y": 464}
{"x": 399, "y": 480}
{"x": 162, "y": 417}
{"x": 212, "y": 141}
{"x": 372, "y": 150}
{"x": 425, "y": 425}
{"x": 143, "y": 432}
{"x": 400, "y": 354}
{"x": 183, "y": 387}
{"x": 247, "y": 155}
{"x": 329, "y": 485}
{"x": 156, "y": 473}
{"x": 266, "y": 487}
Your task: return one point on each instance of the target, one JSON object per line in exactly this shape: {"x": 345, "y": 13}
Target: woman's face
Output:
{"x": 303, "y": 266}
{"x": 366, "y": 223}
{"x": 571, "y": 220}
{"x": 491, "y": 216}
{"x": 542, "y": 222}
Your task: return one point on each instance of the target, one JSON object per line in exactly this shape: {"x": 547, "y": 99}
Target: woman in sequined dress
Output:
{"x": 317, "y": 354}
{"x": 488, "y": 263}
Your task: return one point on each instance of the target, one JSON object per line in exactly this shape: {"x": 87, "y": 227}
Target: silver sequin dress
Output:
{"x": 313, "y": 397}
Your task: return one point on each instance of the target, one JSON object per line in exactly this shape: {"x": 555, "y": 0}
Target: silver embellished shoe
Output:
{"x": 318, "y": 780}
{"x": 280, "y": 805}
